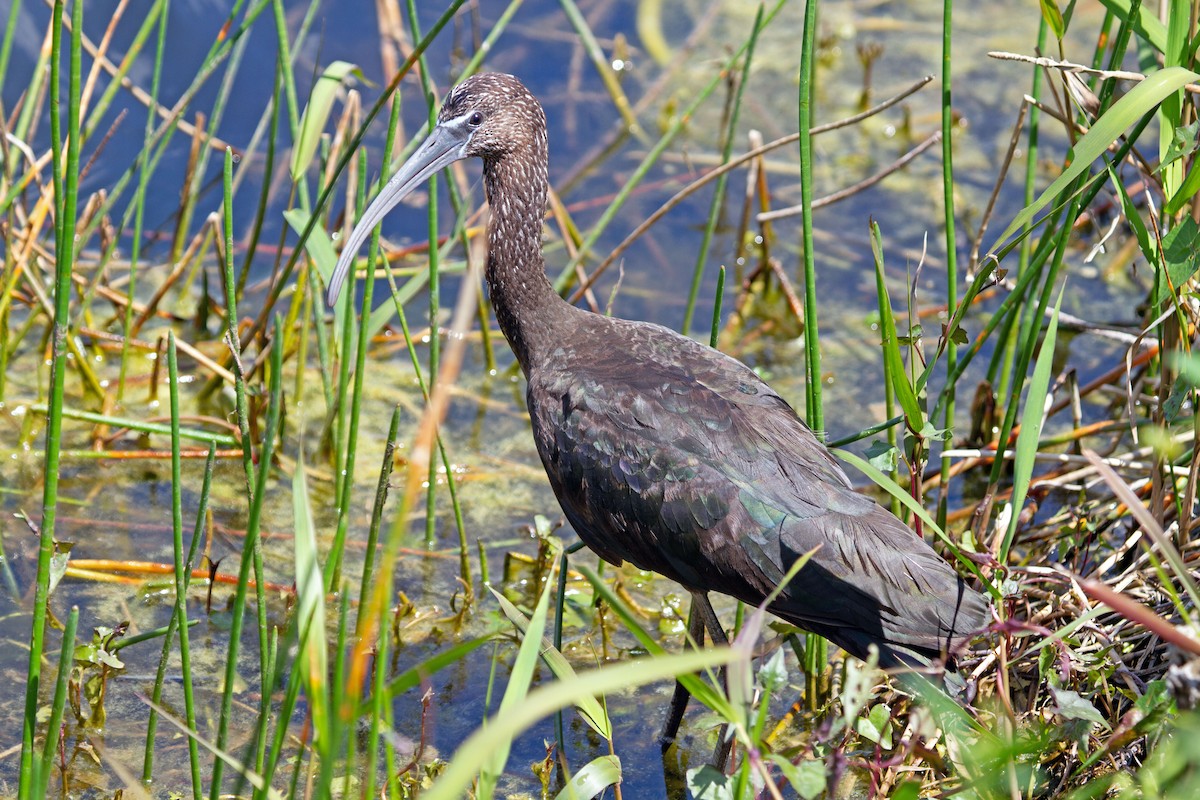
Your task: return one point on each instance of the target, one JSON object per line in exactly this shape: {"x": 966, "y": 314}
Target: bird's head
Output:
{"x": 489, "y": 116}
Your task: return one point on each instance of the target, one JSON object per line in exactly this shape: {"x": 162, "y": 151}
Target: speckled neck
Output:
{"x": 527, "y": 307}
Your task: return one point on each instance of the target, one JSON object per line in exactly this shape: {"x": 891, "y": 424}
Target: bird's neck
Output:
{"x": 527, "y": 307}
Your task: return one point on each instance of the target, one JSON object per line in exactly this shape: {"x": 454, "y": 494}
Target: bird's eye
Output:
{"x": 476, "y": 119}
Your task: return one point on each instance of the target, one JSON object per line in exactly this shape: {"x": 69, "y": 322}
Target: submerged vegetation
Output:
{"x": 269, "y": 531}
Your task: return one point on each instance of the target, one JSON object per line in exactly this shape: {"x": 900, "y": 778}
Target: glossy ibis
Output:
{"x": 669, "y": 454}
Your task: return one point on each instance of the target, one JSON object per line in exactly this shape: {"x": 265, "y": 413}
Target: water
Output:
{"x": 121, "y": 510}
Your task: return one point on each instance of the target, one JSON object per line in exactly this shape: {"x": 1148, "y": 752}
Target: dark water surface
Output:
{"x": 121, "y": 509}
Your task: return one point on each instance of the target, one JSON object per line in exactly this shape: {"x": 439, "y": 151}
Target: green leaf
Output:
{"x": 593, "y": 779}
{"x": 1183, "y": 143}
{"x": 1187, "y": 190}
{"x": 1054, "y": 18}
{"x": 1073, "y": 705}
{"x": 882, "y": 455}
{"x": 1181, "y": 255}
{"x": 773, "y": 673}
{"x": 893, "y": 364}
{"x": 1032, "y": 417}
{"x": 1141, "y": 100}
{"x": 876, "y": 725}
{"x": 709, "y": 783}
{"x": 808, "y": 777}
{"x": 316, "y": 114}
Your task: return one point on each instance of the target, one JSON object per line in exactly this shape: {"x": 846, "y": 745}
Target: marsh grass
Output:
{"x": 1079, "y": 685}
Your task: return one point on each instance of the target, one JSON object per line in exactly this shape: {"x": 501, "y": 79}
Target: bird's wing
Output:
{"x": 679, "y": 459}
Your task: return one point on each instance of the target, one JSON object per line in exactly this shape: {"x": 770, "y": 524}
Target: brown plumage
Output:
{"x": 669, "y": 454}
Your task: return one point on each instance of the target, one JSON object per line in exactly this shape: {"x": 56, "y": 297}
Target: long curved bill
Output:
{"x": 444, "y": 146}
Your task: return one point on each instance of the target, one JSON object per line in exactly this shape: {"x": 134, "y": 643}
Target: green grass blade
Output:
{"x": 700, "y": 690}
{"x": 310, "y": 603}
{"x": 316, "y": 115}
{"x": 1032, "y": 417}
{"x": 593, "y": 712}
{"x": 1107, "y": 129}
{"x": 893, "y": 362}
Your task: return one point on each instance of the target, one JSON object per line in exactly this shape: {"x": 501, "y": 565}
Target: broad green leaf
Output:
{"x": 594, "y": 778}
{"x": 316, "y": 114}
{"x": 1183, "y": 143}
{"x": 808, "y": 777}
{"x": 876, "y": 726}
{"x": 1073, "y": 705}
{"x": 1140, "y": 100}
{"x": 1032, "y": 417}
{"x": 709, "y": 783}
{"x": 882, "y": 456}
{"x": 1181, "y": 252}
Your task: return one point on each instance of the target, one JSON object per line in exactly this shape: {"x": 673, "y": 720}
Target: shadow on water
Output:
{"x": 120, "y": 510}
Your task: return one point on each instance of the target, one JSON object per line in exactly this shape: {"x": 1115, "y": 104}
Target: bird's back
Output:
{"x": 679, "y": 459}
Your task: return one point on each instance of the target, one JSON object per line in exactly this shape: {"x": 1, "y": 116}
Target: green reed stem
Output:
{"x": 250, "y": 546}
{"x": 183, "y": 564}
{"x": 815, "y": 650}
{"x": 718, "y": 198}
{"x": 951, "y": 239}
{"x": 346, "y": 471}
{"x": 54, "y": 726}
{"x": 235, "y": 349}
{"x": 1009, "y": 343}
{"x": 139, "y": 197}
{"x": 66, "y": 193}
{"x": 434, "y": 290}
{"x": 812, "y": 349}
{"x": 10, "y": 30}
{"x": 195, "y": 434}
{"x": 381, "y": 493}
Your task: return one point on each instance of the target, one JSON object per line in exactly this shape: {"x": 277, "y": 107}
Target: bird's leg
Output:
{"x": 679, "y": 699}
{"x": 702, "y": 607}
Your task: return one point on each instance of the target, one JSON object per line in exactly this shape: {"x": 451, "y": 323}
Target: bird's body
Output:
{"x": 669, "y": 454}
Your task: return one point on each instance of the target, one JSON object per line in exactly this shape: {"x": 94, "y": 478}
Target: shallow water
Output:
{"x": 121, "y": 510}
